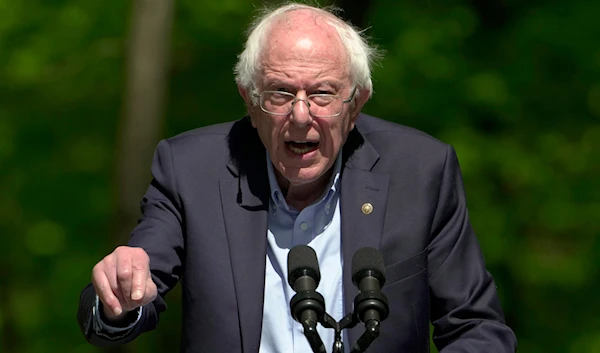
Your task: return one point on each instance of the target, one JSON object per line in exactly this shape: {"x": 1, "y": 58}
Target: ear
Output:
{"x": 248, "y": 100}
{"x": 245, "y": 95}
{"x": 359, "y": 102}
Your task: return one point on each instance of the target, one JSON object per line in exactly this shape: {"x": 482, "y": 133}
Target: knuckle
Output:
{"x": 108, "y": 260}
{"x": 139, "y": 266}
{"x": 108, "y": 299}
{"x": 104, "y": 294}
{"x": 124, "y": 273}
{"x": 97, "y": 272}
{"x": 139, "y": 253}
{"x": 97, "y": 269}
{"x": 121, "y": 249}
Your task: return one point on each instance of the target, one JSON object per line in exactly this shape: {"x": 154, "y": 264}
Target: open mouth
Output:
{"x": 301, "y": 147}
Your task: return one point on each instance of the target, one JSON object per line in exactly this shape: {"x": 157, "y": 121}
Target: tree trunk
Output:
{"x": 148, "y": 49}
{"x": 143, "y": 108}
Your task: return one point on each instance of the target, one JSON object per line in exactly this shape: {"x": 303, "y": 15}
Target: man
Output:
{"x": 227, "y": 202}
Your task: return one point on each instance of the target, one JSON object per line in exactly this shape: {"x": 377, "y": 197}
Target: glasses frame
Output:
{"x": 305, "y": 100}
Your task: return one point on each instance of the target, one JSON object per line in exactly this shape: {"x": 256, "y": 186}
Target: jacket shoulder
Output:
{"x": 210, "y": 132}
{"x": 209, "y": 149}
{"x": 203, "y": 150}
{"x": 386, "y": 135}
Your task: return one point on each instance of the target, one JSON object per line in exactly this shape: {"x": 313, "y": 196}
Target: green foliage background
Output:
{"x": 517, "y": 94}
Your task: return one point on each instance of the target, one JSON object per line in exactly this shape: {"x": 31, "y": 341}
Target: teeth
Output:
{"x": 302, "y": 150}
{"x": 301, "y": 146}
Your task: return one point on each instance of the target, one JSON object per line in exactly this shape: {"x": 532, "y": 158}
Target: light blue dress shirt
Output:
{"x": 317, "y": 226}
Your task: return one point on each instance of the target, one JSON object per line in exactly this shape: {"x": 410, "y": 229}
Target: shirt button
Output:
{"x": 304, "y": 226}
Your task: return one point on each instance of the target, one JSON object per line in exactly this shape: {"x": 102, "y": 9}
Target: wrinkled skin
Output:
{"x": 304, "y": 55}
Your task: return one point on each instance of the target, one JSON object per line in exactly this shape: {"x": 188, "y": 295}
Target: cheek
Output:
{"x": 268, "y": 130}
{"x": 335, "y": 131}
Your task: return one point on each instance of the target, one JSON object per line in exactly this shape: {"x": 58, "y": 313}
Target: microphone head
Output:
{"x": 302, "y": 261}
{"x": 368, "y": 262}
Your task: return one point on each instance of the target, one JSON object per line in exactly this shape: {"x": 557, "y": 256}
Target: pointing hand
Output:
{"x": 123, "y": 282}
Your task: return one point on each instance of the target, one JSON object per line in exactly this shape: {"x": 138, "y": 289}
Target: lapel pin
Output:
{"x": 367, "y": 208}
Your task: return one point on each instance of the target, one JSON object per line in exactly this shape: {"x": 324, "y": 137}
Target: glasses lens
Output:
{"x": 277, "y": 102}
{"x": 320, "y": 105}
{"x": 325, "y": 105}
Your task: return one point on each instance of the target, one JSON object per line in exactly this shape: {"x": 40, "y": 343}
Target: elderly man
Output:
{"x": 227, "y": 202}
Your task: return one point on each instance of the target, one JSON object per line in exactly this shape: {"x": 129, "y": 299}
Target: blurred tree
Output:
{"x": 355, "y": 12}
{"x": 493, "y": 14}
{"x": 147, "y": 81}
{"x": 140, "y": 128}
{"x": 513, "y": 85}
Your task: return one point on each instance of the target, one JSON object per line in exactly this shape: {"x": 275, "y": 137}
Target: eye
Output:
{"x": 273, "y": 99}
{"x": 322, "y": 100}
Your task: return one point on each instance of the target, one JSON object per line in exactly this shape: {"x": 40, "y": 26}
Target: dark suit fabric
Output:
{"x": 204, "y": 224}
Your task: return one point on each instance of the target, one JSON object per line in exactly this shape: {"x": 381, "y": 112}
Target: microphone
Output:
{"x": 371, "y": 305}
{"x": 303, "y": 268}
{"x": 307, "y": 306}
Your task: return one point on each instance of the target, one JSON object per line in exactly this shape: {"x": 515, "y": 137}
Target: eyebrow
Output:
{"x": 329, "y": 83}
{"x": 277, "y": 82}
{"x": 326, "y": 83}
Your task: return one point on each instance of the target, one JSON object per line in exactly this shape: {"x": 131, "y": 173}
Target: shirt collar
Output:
{"x": 332, "y": 186}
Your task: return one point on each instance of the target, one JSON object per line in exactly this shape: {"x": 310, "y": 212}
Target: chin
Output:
{"x": 304, "y": 178}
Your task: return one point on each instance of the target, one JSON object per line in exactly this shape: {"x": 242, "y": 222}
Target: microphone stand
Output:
{"x": 309, "y": 323}
{"x": 350, "y": 321}
{"x": 365, "y": 340}
{"x": 308, "y": 308}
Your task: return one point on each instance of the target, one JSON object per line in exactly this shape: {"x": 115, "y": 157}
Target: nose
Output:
{"x": 300, "y": 115}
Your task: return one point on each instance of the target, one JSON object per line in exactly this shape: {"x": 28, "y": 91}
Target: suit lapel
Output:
{"x": 246, "y": 227}
{"x": 362, "y": 224}
{"x": 244, "y": 198}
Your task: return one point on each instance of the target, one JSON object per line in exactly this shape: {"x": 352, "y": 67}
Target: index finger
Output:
{"x": 105, "y": 293}
{"x": 141, "y": 270}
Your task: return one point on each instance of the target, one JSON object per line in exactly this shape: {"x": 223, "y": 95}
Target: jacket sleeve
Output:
{"x": 465, "y": 309}
{"x": 160, "y": 233}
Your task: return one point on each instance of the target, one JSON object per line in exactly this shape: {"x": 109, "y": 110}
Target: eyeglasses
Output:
{"x": 319, "y": 105}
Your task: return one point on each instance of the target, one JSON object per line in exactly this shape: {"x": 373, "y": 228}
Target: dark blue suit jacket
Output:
{"x": 204, "y": 223}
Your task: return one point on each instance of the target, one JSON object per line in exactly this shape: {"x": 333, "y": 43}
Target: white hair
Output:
{"x": 360, "y": 54}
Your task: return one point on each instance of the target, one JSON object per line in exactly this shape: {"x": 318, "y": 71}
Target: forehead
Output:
{"x": 303, "y": 42}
